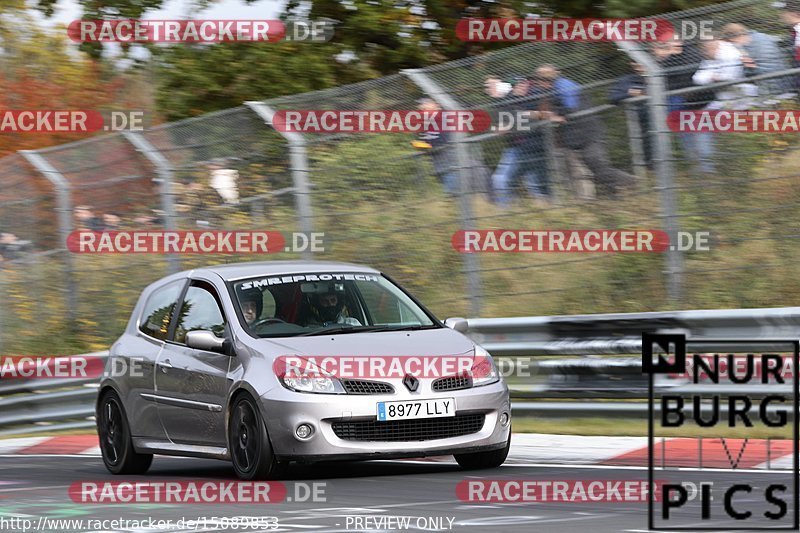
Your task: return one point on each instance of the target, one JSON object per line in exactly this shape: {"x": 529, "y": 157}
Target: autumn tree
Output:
{"x": 42, "y": 70}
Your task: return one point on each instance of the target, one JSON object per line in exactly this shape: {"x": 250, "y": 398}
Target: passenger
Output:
{"x": 252, "y": 305}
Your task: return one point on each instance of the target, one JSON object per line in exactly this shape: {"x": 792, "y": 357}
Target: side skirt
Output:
{"x": 164, "y": 447}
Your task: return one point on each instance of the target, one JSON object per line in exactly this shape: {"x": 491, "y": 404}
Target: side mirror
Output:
{"x": 202, "y": 339}
{"x": 458, "y": 324}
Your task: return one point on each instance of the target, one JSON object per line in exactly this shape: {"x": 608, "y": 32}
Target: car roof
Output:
{"x": 235, "y": 271}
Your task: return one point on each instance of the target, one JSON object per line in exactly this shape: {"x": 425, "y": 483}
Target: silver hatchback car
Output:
{"x": 266, "y": 363}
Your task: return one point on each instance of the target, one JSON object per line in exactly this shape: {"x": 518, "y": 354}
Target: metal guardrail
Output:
{"x": 621, "y": 333}
{"x": 584, "y": 386}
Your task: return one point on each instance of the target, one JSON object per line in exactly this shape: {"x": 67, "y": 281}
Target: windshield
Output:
{"x": 336, "y": 302}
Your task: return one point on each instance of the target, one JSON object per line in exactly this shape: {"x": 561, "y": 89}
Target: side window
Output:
{"x": 158, "y": 310}
{"x": 270, "y": 305}
{"x": 200, "y": 310}
{"x": 382, "y": 306}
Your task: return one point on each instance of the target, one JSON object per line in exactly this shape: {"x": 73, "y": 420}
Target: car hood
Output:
{"x": 430, "y": 342}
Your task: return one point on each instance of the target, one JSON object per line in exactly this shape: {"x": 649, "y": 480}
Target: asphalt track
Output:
{"x": 36, "y": 486}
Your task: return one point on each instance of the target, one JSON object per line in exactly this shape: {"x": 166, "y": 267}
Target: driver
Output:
{"x": 328, "y": 308}
{"x": 252, "y": 305}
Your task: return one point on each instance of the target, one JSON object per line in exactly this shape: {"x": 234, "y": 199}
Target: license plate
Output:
{"x": 407, "y": 410}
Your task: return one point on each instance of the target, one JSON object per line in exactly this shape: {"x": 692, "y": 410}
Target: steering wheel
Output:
{"x": 265, "y": 321}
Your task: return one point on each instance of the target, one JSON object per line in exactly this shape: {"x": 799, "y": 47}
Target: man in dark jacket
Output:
{"x": 584, "y": 134}
{"x": 679, "y": 63}
{"x": 524, "y": 157}
{"x": 631, "y": 86}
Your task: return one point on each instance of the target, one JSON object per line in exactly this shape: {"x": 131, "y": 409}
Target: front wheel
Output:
{"x": 116, "y": 445}
{"x": 481, "y": 460}
{"x": 250, "y": 449}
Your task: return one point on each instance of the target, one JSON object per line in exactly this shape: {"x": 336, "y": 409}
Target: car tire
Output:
{"x": 480, "y": 460}
{"x": 116, "y": 445}
{"x": 248, "y": 442}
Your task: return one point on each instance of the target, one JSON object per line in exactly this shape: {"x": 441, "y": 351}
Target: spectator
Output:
{"x": 7, "y": 241}
{"x": 12, "y": 246}
{"x": 679, "y": 62}
{"x": 790, "y": 15}
{"x": 143, "y": 220}
{"x": 436, "y": 141}
{"x": 524, "y": 150}
{"x": 159, "y": 217}
{"x": 760, "y": 54}
{"x": 151, "y": 218}
{"x": 585, "y": 134}
{"x": 722, "y": 63}
{"x": 224, "y": 181}
{"x": 631, "y": 86}
{"x": 110, "y": 222}
{"x": 86, "y": 219}
{"x": 496, "y": 88}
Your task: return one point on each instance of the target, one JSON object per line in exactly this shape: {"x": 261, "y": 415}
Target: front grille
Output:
{"x": 452, "y": 383}
{"x": 409, "y": 430}
{"x": 360, "y": 386}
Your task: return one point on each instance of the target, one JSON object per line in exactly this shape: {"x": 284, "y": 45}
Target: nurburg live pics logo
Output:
{"x": 731, "y": 502}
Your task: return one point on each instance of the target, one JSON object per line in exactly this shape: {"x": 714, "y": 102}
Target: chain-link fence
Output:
{"x": 382, "y": 200}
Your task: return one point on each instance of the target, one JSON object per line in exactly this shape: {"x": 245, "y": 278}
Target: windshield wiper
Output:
{"x": 342, "y": 328}
{"x": 413, "y": 327}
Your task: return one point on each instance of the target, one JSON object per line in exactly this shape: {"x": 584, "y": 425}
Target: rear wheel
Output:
{"x": 116, "y": 445}
{"x": 479, "y": 460}
{"x": 250, "y": 449}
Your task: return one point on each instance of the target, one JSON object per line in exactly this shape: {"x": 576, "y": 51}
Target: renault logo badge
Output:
{"x": 411, "y": 382}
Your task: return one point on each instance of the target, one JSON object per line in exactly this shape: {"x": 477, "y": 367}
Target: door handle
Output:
{"x": 165, "y": 365}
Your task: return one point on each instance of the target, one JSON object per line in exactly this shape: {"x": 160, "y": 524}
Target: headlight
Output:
{"x": 317, "y": 385}
{"x": 484, "y": 371}
{"x": 312, "y": 380}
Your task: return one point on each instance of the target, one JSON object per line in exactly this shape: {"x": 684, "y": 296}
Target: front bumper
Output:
{"x": 284, "y": 410}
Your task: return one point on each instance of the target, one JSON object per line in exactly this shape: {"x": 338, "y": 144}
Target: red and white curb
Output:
{"x": 59, "y": 445}
{"x": 539, "y": 448}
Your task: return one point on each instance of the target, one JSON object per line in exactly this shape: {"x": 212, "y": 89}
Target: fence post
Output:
{"x": 662, "y": 159}
{"x": 561, "y": 186}
{"x": 164, "y": 173}
{"x": 299, "y": 161}
{"x": 63, "y": 195}
{"x": 447, "y": 102}
{"x": 636, "y": 138}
